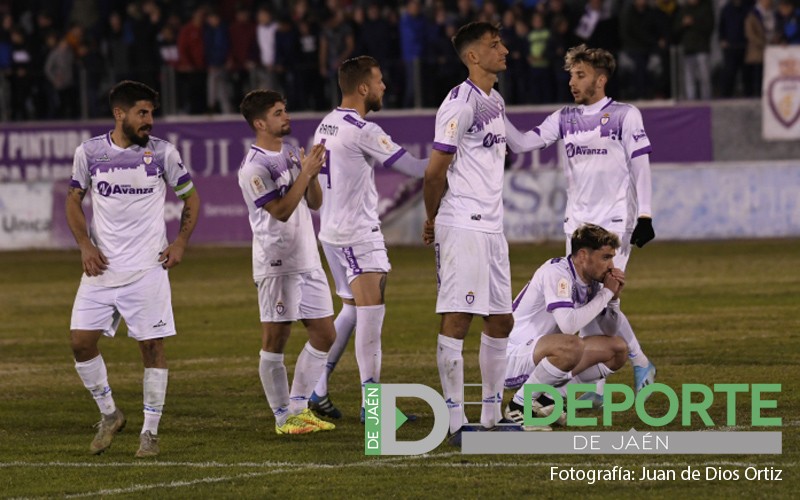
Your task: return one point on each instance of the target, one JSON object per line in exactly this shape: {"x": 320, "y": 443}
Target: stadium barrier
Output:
{"x": 696, "y": 196}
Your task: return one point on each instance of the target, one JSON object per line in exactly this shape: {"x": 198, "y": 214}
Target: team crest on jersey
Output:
{"x": 280, "y": 308}
{"x": 258, "y": 185}
{"x": 562, "y": 289}
{"x": 148, "y": 157}
{"x": 470, "y": 298}
{"x": 386, "y": 143}
{"x": 293, "y": 158}
{"x": 451, "y": 129}
{"x": 604, "y": 119}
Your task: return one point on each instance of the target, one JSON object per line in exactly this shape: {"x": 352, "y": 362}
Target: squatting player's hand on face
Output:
{"x": 93, "y": 260}
{"x": 619, "y": 275}
{"x": 171, "y": 256}
{"x": 613, "y": 284}
{"x": 427, "y": 232}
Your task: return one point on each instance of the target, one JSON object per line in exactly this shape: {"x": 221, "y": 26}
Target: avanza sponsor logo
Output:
{"x": 573, "y": 150}
{"x": 492, "y": 139}
{"x": 106, "y": 189}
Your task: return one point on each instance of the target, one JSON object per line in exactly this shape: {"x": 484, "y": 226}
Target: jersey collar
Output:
{"x": 596, "y": 107}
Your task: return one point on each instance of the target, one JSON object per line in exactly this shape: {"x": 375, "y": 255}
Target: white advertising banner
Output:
{"x": 26, "y": 212}
{"x": 781, "y": 93}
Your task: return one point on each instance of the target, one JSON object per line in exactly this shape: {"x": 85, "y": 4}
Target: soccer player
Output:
{"x": 463, "y": 193}
{"x": 566, "y": 295}
{"x": 605, "y": 150}
{"x": 350, "y": 230}
{"x": 126, "y": 255}
{"x": 279, "y": 184}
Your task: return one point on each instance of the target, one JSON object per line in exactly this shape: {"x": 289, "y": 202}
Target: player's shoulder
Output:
{"x": 558, "y": 267}
{"x": 460, "y": 99}
{"x": 94, "y": 144}
{"x": 622, "y": 108}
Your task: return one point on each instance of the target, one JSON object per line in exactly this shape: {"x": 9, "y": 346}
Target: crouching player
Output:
{"x": 567, "y": 295}
{"x": 279, "y": 184}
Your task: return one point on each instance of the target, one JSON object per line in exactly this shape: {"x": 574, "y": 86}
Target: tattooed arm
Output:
{"x": 173, "y": 254}
{"x": 93, "y": 260}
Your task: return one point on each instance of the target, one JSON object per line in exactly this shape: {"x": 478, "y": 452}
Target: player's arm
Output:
{"x": 173, "y": 254}
{"x": 314, "y": 194}
{"x": 284, "y": 206}
{"x": 433, "y": 189}
{"x": 639, "y": 149}
{"x": 610, "y": 318}
{"x": 572, "y": 320}
{"x": 520, "y": 142}
{"x": 92, "y": 259}
{"x": 379, "y": 146}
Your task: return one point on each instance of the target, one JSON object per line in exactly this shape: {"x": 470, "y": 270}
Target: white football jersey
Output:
{"x": 471, "y": 125}
{"x": 349, "y": 214}
{"x": 597, "y": 144}
{"x": 278, "y": 247}
{"x": 554, "y": 285}
{"x": 128, "y": 189}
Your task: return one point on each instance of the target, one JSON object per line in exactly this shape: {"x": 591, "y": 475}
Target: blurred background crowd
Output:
{"x": 59, "y": 58}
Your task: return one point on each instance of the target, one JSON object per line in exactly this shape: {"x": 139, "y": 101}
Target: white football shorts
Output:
{"x": 520, "y": 363}
{"x": 348, "y": 263}
{"x": 145, "y": 305}
{"x": 473, "y": 272}
{"x": 293, "y": 297}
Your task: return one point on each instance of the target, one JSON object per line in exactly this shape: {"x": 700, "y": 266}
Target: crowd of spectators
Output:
{"x": 56, "y": 55}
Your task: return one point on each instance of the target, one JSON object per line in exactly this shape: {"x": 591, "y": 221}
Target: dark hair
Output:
{"x": 599, "y": 59}
{"x": 472, "y": 32}
{"x": 355, "y": 71}
{"x": 127, "y": 93}
{"x": 257, "y": 102}
{"x": 593, "y": 237}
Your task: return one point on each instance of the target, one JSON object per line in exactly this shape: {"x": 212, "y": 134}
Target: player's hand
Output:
{"x": 93, "y": 260}
{"x": 427, "y": 232}
{"x": 312, "y": 163}
{"x": 618, "y": 274}
{"x": 643, "y": 232}
{"x": 171, "y": 256}
{"x": 613, "y": 284}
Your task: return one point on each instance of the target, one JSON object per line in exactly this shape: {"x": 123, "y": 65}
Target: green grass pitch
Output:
{"x": 716, "y": 312}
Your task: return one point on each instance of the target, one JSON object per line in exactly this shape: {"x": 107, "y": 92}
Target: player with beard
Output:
{"x": 126, "y": 255}
{"x": 605, "y": 152}
{"x": 350, "y": 229}
{"x": 279, "y": 184}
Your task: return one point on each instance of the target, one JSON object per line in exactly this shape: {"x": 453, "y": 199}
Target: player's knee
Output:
{"x": 569, "y": 352}
{"x": 620, "y": 349}
{"x": 84, "y": 347}
{"x": 152, "y": 349}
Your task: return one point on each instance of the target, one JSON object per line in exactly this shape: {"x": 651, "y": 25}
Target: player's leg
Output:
{"x": 644, "y": 371}
{"x": 344, "y": 324}
{"x": 94, "y": 315}
{"x": 368, "y": 291}
{"x": 146, "y": 306}
{"x": 602, "y": 356}
{"x": 450, "y": 361}
{"x": 316, "y": 311}
{"x": 279, "y": 306}
{"x": 497, "y": 326}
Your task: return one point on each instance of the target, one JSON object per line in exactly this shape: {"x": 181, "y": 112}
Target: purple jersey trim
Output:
{"x": 643, "y": 151}
{"x": 516, "y": 302}
{"x": 572, "y": 268}
{"x": 108, "y": 139}
{"x": 607, "y": 104}
{"x": 350, "y": 255}
{"x": 392, "y": 159}
{"x": 354, "y": 121}
{"x": 538, "y": 131}
{"x": 75, "y": 184}
{"x": 559, "y": 305}
{"x": 445, "y": 148}
{"x": 469, "y": 82}
{"x": 268, "y": 198}
{"x": 184, "y": 179}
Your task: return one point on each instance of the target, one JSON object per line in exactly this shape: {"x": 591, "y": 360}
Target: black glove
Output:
{"x": 643, "y": 232}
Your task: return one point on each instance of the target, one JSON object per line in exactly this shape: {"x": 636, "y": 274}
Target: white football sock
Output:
{"x": 544, "y": 373}
{"x": 154, "y": 394}
{"x": 592, "y": 374}
{"x": 344, "y": 324}
{"x": 493, "y": 361}
{"x": 369, "y": 323}
{"x": 307, "y": 371}
{"x": 95, "y": 378}
{"x": 450, "y": 360}
{"x": 635, "y": 352}
{"x": 276, "y": 384}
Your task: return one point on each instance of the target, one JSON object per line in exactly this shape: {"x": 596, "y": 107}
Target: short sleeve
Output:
{"x": 377, "y": 144}
{"x": 257, "y": 185}
{"x": 634, "y": 138}
{"x": 81, "y": 178}
{"x": 550, "y": 128}
{"x": 453, "y": 119}
{"x": 557, "y": 287}
{"x": 176, "y": 174}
